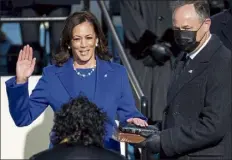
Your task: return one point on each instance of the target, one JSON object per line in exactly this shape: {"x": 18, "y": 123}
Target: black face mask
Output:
{"x": 186, "y": 40}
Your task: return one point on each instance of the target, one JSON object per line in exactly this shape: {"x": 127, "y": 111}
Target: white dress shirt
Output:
{"x": 193, "y": 54}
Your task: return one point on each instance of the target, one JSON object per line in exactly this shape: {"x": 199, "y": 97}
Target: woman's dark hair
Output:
{"x": 73, "y": 20}
{"x": 79, "y": 121}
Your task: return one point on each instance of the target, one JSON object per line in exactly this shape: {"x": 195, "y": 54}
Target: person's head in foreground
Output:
{"x": 82, "y": 38}
{"x": 79, "y": 121}
{"x": 79, "y": 130}
{"x": 191, "y": 23}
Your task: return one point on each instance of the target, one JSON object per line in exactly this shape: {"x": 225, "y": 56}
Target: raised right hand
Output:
{"x": 25, "y": 65}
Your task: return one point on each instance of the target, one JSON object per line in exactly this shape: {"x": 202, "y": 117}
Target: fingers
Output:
{"x": 20, "y": 55}
{"x": 145, "y": 123}
{"x": 32, "y": 67}
{"x": 26, "y": 53}
{"x": 137, "y": 121}
{"x": 30, "y": 54}
{"x": 33, "y": 63}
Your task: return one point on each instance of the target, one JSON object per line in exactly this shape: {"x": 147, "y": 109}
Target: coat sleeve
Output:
{"x": 127, "y": 108}
{"x": 138, "y": 35}
{"x": 213, "y": 120}
{"x": 24, "y": 109}
{"x": 132, "y": 20}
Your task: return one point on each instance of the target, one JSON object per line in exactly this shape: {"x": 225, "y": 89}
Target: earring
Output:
{"x": 96, "y": 44}
{"x": 69, "y": 47}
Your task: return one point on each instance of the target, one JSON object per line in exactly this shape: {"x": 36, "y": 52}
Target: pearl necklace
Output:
{"x": 85, "y": 75}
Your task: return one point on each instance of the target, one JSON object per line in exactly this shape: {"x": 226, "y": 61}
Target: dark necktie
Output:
{"x": 186, "y": 60}
{"x": 181, "y": 66}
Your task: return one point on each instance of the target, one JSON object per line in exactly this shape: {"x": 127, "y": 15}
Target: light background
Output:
{"x": 23, "y": 142}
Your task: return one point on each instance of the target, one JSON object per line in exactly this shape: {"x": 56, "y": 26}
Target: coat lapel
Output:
{"x": 103, "y": 69}
{"x": 191, "y": 71}
{"x": 66, "y": 74}
{"x": 196, "y": 66}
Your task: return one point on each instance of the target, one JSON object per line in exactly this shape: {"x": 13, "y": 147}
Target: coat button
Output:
{"x": 160, "y": 18}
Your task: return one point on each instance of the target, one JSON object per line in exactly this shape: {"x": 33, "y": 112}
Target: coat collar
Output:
{"x": 66, "y": 75}
{"x": 196, "y": 66}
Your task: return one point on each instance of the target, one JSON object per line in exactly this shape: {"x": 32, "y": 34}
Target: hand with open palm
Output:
{"x": 25, "y": 64}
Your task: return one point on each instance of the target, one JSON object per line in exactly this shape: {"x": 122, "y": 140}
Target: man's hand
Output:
{"x": 152, "y": 143}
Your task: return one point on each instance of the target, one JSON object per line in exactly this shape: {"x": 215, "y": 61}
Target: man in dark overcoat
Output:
{"x": 197, "y": 120}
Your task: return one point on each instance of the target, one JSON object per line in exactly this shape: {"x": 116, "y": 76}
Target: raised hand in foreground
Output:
{"x": 25, "y": 64}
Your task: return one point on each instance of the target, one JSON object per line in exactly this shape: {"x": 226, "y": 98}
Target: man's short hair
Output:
{"x": 201, "y": 6}
{"x": 79, "y": 121}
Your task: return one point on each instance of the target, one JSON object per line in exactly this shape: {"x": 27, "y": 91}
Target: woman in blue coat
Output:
{"x": 82, "y": 67}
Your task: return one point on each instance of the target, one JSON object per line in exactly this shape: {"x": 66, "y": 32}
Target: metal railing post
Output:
{"x": 122, "y": 53}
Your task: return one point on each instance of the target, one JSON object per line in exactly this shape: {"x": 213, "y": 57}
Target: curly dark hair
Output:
{"x": 73, "y": 20}
{"x": 79, "y": 121}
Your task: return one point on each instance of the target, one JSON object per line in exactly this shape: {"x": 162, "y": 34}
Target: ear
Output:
{"x": 207, "y": 24}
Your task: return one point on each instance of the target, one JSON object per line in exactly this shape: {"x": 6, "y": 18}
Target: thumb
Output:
{"x": 130, "y": 120}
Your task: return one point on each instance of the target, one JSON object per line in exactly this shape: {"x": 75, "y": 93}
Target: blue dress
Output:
{"x": 86, "y": 80}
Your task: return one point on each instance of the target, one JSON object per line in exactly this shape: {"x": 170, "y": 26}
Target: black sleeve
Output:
{"x": 135, "y": 28}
